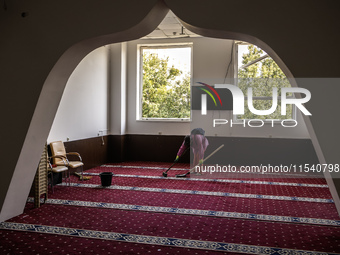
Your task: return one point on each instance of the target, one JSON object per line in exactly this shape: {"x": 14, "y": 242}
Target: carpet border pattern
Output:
{"x": 154, "y": 240}
{"x": 220, "y": 180}
{"x": 196, "y": 212}
{"x": 207, "y": 193}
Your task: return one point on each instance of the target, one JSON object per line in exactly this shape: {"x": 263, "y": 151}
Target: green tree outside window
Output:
{"x": 166, "y": 90}
{"x": 262, "y": 76}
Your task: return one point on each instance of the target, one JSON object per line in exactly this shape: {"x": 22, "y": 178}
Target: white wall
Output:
{"x": 111, "y": 71}
{"x": 83, "y": 110}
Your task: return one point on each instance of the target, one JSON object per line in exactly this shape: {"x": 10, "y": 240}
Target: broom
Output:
{"x": 165, "y": 174}
{"x": 82, "y": 177}
{"x": 184, "y": 175}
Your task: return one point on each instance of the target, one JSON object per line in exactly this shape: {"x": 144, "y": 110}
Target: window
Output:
{"x": 257, "y": 70}
{"x": 165, "y": 77}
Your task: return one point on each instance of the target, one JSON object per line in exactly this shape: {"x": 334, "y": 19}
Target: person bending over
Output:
{"x": 198, "y": 142}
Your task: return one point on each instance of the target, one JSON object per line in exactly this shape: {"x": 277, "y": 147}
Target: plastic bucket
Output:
{"x": 106, "y": 178}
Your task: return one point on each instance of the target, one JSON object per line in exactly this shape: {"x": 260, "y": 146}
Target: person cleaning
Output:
{"x": 198, "y": 142}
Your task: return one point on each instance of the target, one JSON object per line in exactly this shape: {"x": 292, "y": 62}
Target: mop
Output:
{"x": 165, "y": 174}
{"x": 82, "y": 177}
{"x": 184, "y": 175}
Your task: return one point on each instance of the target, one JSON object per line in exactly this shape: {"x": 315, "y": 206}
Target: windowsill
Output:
{"x": 164, "y": 120}
{"x": 265, "y": 121}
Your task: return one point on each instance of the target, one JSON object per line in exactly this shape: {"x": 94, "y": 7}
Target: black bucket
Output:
{"x": 106, "y": 178}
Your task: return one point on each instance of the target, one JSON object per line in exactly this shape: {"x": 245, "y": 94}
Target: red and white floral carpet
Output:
{"x": 143, "y": 212}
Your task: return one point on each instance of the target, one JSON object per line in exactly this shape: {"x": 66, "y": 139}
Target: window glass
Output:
{"x": 165, "y": 75}
{"x": 257, "y": 70}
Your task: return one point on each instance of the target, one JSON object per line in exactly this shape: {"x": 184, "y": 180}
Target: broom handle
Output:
{"x": 176, "y": 161}
{"x": 209, "y": 156}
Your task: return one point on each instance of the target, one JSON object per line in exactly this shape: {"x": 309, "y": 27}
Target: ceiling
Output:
{"x": 170, "y": 27}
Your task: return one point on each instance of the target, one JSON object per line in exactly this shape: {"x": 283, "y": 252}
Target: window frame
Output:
{"x": 139, "y": 99}
{"x": 264, "y": 98}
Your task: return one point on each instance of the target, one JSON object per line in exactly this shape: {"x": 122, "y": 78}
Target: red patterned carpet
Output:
{"x": 145, "y": 213}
